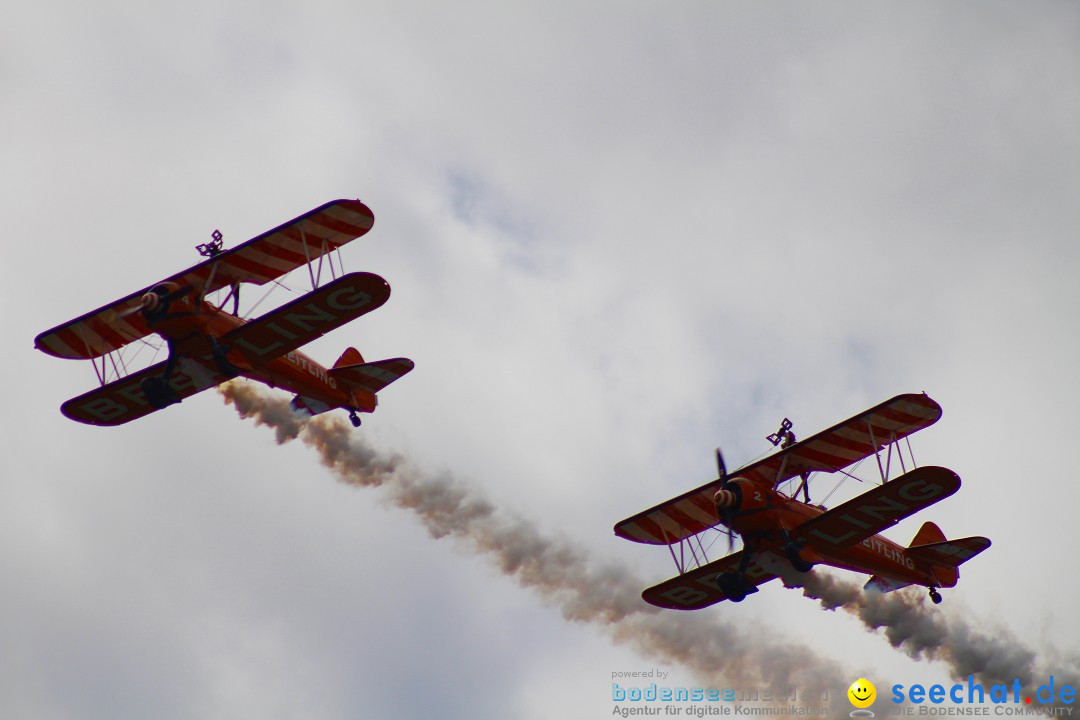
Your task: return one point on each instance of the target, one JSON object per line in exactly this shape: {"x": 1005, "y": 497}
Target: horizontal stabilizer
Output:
{"x": 374, "y": 376}
{"x": 310, "y": 406}
{"x": 884, "y": 584}
{"x": 951, "y": 553}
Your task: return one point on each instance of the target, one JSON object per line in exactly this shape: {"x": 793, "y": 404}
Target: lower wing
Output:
{"x": 699, "y": 588}
{"x": 881, "y": 508}
{"x": 124, "y": 400}
{"x": 309, "y": 317}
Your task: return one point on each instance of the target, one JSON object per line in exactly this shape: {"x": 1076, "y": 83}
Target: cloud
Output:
{"x": 687, "y": 225}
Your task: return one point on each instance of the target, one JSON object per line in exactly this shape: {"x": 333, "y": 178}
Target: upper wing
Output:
{"x": 878, "y": 509}
{"x": 828, "y": 451}
{"x": 123, "y": 401}
{"x": 698, "y": 588}
{"x": 259, "y": 260}
{"x": 848, "y": 442}
{"x": 308, "y": 317}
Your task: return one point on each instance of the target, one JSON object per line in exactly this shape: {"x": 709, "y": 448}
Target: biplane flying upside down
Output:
{"x": 785, "y": 537}
{"x": 208, "y": 345}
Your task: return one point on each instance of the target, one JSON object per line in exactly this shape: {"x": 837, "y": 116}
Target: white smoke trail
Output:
{"x": 990, "y": 653}
{"x": 607, "y": 596}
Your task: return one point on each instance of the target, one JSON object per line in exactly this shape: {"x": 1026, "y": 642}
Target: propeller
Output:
{"x": 146, "y": 302}
{"x": 727, "y": 498}
{"x": 155, "y": 302}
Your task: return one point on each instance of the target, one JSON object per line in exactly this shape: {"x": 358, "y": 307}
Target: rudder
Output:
{"x": 351, "y": 356}
{"x": 928, "y": 533}
{"x": 946, "y": 557}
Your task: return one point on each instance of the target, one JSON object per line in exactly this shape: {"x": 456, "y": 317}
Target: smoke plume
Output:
{"x": 990, "y": 653}
{"x": 604, "y": 595}
{"x": 607, "y": 595}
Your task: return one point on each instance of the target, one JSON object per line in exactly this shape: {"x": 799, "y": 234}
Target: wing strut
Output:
{"x": 307, "y": 256}
{"x": 877, "y": 452}
{"x": 886, "y": 471}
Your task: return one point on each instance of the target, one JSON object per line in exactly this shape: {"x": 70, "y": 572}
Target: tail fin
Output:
{"x": 928, "y": 533}
{"x": 946, "y": 556}
{"x": 362, "y": 379}
{"x": 351, "y": 356}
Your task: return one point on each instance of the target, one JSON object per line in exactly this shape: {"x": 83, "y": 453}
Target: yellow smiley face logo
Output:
{"x": 862, "y": 693}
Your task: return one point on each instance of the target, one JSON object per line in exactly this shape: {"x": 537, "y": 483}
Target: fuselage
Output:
{"x": 195, "y": 329}
{"x": 768, "y": 515}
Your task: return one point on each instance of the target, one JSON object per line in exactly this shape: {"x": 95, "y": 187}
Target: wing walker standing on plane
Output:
{"x": 208, "y": 344}
{"x": 782, "y": 534}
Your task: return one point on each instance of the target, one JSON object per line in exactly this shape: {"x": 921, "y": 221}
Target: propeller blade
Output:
{"x": 151, "y": 300}
{"x": 727, "y": 514}
{"x": 129, "y": 312}
{"x": 729, "y": 519}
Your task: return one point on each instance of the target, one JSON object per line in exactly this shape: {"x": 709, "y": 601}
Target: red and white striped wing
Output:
{"x": 257, "y": 261}
{"x": 834, "y": 449}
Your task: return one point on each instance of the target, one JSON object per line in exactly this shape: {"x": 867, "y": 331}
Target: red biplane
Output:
{"x": 208, "y": 344}
{"x": 784, "y": 536}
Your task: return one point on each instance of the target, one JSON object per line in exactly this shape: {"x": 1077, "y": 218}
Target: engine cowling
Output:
{"x": 157, "y": 301}
{"x": 739, "y": 495}
{"x": 151, "y": 301}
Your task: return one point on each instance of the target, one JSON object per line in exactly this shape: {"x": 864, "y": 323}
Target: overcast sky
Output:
{"x": 618, "y": 235}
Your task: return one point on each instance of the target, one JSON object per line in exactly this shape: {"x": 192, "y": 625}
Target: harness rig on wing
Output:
{"x": 208, "y": 345}
{"x": 782, "y": 534}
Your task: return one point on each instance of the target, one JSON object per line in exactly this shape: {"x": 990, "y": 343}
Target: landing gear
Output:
{"x": 354, "y": 418}
{"x": 734, "y": 586}
{"x": 220, "y": 353}
{"x": 796, "y": 560}
{"x": 935, "y": 596}
{"x": 157, "y": 389}
{"x": 158, "y": 392}
{"x": 791, "y": 550}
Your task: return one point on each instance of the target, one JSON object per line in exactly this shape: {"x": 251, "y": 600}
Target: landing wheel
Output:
{"x": 791, "y": 550}
{"x": 935, "y": 596}
{"x": 354, "y": 418}
{"x": 220, "y": 353}
{"x": 796, "y": 560}
{"x": 158, "y": 392}
{"x": 733, "y": 586}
